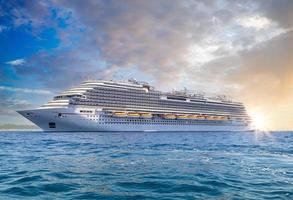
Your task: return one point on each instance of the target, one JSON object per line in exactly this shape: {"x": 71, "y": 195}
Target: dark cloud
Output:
{"x": 280, "y": 11}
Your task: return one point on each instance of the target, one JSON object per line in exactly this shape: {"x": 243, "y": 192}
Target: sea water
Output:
{"x": 146, "y": 165}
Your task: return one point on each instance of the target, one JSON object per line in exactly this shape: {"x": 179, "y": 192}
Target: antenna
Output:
{"x": 185, "y": 90}
{"x": 89, "y": 78}
{"x": 114, "y": 76}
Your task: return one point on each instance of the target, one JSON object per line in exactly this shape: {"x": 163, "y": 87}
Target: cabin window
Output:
{"x": 86, "y": 111}
{"x": 52, "y": 125}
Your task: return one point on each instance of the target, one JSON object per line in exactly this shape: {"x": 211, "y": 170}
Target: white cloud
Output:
{"x": 200, "y": 54}
{"x": 256, "y": 22}
{"x": 25, "y": 90}
{"x": 16, "y": 62}
{"x": 2, "y": 28}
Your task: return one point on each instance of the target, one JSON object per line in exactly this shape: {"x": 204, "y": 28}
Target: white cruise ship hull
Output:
{"x": 70, "y": 119}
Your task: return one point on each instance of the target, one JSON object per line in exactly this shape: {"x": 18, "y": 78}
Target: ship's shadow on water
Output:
{"x": 146, "y": 165}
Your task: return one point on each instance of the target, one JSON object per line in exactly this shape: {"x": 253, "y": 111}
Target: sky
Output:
{"x": 241, "y": 48}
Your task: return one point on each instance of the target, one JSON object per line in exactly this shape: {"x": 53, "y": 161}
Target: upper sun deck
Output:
{"x": 176, "y": 95}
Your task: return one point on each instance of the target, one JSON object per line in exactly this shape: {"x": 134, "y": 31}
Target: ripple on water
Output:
{"x": 112, "y": 196}
{"x": 27, "y": 179}
{"x": 58, "y": 187}
{"x": 146, "y": 185}
{"x": 4, "y": 178}
{"x": 63, "y": 175}
{"x": 194, "y": 188}
{"x": 168, "y": 187}
{"x": 25, "y": 191}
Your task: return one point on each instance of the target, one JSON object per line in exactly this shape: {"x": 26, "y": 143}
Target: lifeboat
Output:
{"x": 169, "y": 116}
{"x": 211, "y": 117}
{"x": 182, "y": 116}
{"x": 146, "y": 115}
{"x": 207, "y": 117}
{"x": 192, "y": 116}
{"x": 120, "y": 114}
{"x": 218, "y": 117}
{"x": 133, "y": 114}
{"x": 200, "y": 117}
{"x": 224, "y": 118}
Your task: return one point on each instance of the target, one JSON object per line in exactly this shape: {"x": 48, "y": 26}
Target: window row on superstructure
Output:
{"x": 111, "y": 95}
{"x": 142, "y": 99}
{"x": 156, "y": 104}
{"x": 160, "y": 110}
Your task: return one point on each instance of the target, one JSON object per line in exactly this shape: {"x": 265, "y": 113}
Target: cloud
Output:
{"x": 26, "y": 12}
{"x": 154, "y": 36}
{"x": 257, "y": 22}
{"x": 13, "y": 99}
{"x": 9, "y": 105}
{"x": 279, "y": 11}
{"x": 2, "y": 28}
{"x": 163, "y": 39}
{"x": 160, "y": 38}
{"x": 263, "y": 76}
{"x": 25, "y": 90}
{"x": 16, "y": 62}
{"x": 17, "y": 127}
{"x": 57, "y": 72}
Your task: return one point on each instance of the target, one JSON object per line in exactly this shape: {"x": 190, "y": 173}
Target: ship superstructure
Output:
{"x": 102, "y": 105}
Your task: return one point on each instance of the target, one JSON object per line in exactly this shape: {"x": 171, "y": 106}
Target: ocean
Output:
{"x": 146, "y": 165}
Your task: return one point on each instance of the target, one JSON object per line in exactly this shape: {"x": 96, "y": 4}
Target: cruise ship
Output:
{"x": 107, "y": 105}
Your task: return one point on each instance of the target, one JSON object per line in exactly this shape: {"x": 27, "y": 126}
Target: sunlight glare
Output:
{"x": 258, "y": 120}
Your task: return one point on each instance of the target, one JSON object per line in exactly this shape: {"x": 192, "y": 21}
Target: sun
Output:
{"x": 258, "y": 120}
